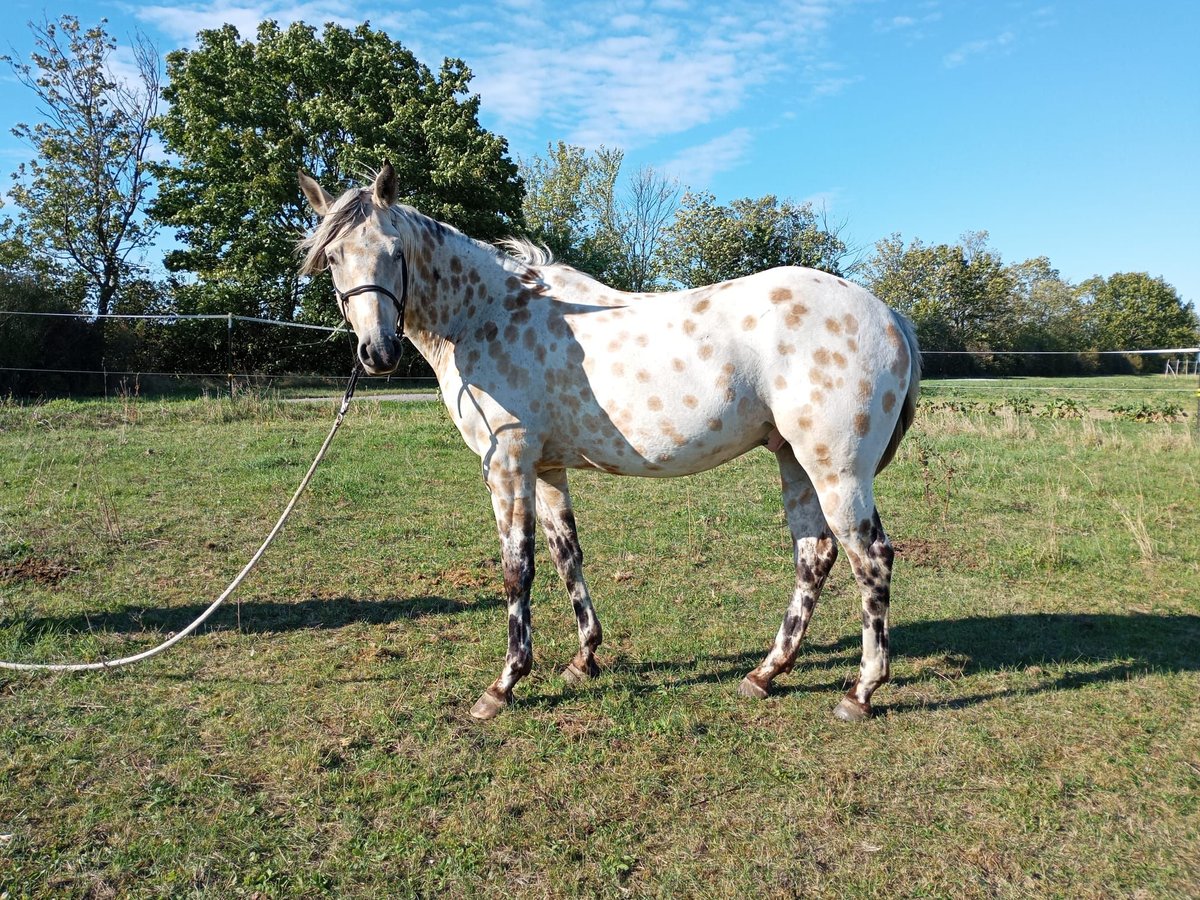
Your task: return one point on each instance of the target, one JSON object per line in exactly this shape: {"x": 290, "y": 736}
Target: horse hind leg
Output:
{"x": 815, "y": 552}
{"x": 861, "y": 534}
{"x": 558, "y": 522}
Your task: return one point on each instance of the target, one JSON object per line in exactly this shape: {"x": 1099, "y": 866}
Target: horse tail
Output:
{"x": 909, "y": 409}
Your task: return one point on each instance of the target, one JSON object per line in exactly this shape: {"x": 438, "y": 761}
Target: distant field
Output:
{"x": 1040, "y": 736}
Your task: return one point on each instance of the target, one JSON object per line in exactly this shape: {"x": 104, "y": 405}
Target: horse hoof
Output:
{"x": 850, "y": 710}
{"x": 488, "y": 706}
{"x": 575, "y": 673}
{"x": 752, "y": 689}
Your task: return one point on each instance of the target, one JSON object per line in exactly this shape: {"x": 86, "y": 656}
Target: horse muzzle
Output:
{"x": 379, "y": 354}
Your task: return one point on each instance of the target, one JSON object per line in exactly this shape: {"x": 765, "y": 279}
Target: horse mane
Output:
{"x": 347, "y": 211}
{"x": 526, "y": 251}
{"x": 357, "y": 203}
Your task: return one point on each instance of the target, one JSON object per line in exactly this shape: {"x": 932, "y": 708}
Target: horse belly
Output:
{"x": 668, "y": 433}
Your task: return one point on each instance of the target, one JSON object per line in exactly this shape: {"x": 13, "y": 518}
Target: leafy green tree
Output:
{"x": 958, "y": 296}
{"x": 1133, "y": 311}
{"x": 82, "y": 197}
{"x": 1047, "y": 311}
{"x": 574, "y": 206}
{"x": 33, "y": 282}
{"x": 246, "y": 115}
{"x": 570, "y": 205}
{"x": 708, "y": 242}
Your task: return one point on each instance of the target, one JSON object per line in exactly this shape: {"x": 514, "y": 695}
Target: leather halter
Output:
{"x": 400, "y": 304}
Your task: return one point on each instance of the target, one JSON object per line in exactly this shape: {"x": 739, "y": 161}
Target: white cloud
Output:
{"x": 181, "y": 22}
{"x": 696, "y": 166}
{"x": 961, "y": 54}
{"x": 657, "y": 73}
{"x": 623, "y": 73}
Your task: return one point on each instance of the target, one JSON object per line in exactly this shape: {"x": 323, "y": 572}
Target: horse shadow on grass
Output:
{"x": 256, "y": 616}
{"x": 1061, "y": 651}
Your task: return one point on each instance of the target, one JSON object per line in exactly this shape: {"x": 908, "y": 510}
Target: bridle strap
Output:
{"x": 400, "y": 303}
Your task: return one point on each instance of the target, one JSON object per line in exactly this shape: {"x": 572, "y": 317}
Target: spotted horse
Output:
{"x": 544, "y": 369}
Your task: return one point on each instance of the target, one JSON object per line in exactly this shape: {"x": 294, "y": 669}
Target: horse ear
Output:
{"x": 320, "y": 198}
{"x": 385, "y": 185}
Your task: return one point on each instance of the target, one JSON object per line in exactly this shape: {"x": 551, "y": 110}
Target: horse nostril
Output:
{"x": 363, "y": 355}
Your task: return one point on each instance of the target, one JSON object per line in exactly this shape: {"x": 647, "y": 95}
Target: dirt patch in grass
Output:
{"x": 37, "y": 569}
{"x": 932, "y": 554}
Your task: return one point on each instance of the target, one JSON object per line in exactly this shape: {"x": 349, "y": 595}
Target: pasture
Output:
{"x": 1040, "y": 736}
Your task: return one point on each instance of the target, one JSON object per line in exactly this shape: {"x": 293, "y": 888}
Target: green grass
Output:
{"x": 1040, "y": 736}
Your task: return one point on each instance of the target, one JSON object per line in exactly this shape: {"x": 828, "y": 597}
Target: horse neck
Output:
{"x": 450, "y": 279}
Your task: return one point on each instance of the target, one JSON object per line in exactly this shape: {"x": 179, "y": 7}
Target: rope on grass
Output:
{"x": 233, "y": 586}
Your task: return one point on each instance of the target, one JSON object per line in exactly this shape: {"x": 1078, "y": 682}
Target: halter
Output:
{"x": 400, "y": 304}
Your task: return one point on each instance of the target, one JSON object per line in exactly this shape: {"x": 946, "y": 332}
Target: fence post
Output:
{"x": 229, "y": 351}
{"x": 1196, "y": 421}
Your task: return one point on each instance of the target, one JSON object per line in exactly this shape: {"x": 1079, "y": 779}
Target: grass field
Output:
{"x": 1040, "y": 737}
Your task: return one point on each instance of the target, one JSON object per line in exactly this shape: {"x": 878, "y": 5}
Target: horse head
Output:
{"x": 359, "y": 240}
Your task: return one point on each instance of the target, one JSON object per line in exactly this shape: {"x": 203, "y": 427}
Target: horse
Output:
{"x": 544, "y": 369}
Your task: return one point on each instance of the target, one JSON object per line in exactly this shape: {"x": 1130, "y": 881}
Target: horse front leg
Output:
{"x": 513, "y": 503}
{"x": 558, "y": 521}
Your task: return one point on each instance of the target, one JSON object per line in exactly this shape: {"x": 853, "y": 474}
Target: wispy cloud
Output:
{"x": 182, "y": 21}
{"x": 965, "y": 52}
{"x": 696, "y": 166}
{"x": 625, "y": 73}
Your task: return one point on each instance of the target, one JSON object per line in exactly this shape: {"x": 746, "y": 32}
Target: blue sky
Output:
{"x": 1064, "y": 129}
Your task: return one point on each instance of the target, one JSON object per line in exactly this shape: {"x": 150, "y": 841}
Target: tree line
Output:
{"x": 210, "y": 150}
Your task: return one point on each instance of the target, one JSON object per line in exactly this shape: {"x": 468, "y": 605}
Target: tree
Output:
{"x": 570, "y": 205}
{"x": 246, "y": 115}
{"x": 1132, "y": 311}
{"x": 958, "y": 295}
{"x": 1046, "y": 310}
{"x": 33, "y": 282}
{"x": 707, "y": 242}
{"x": 651, "y": 201}
{"x": 82, "y": 198}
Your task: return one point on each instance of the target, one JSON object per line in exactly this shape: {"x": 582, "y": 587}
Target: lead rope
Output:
{"x": 154, "y": 651}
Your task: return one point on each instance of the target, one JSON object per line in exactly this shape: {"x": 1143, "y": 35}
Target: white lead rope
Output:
{"x": 129, "y": 660}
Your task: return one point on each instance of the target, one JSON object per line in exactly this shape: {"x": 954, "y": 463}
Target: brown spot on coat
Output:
{"x": 889, "y": 401}
{"x": 780, "y": 382}
{"x": 862, "y": 424}
{"x": 781, "y": 295}
{"x": 821, "y": 356}
{"x": 749, "y": 323}
{"x": 690, "y": 401}
{"x": 678, "y": 364}
{"x": 833, "y": 325}
{"x": 706, "y": 351}
{"x": 655, "y": 403}
{"x": 715, "y": 424}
